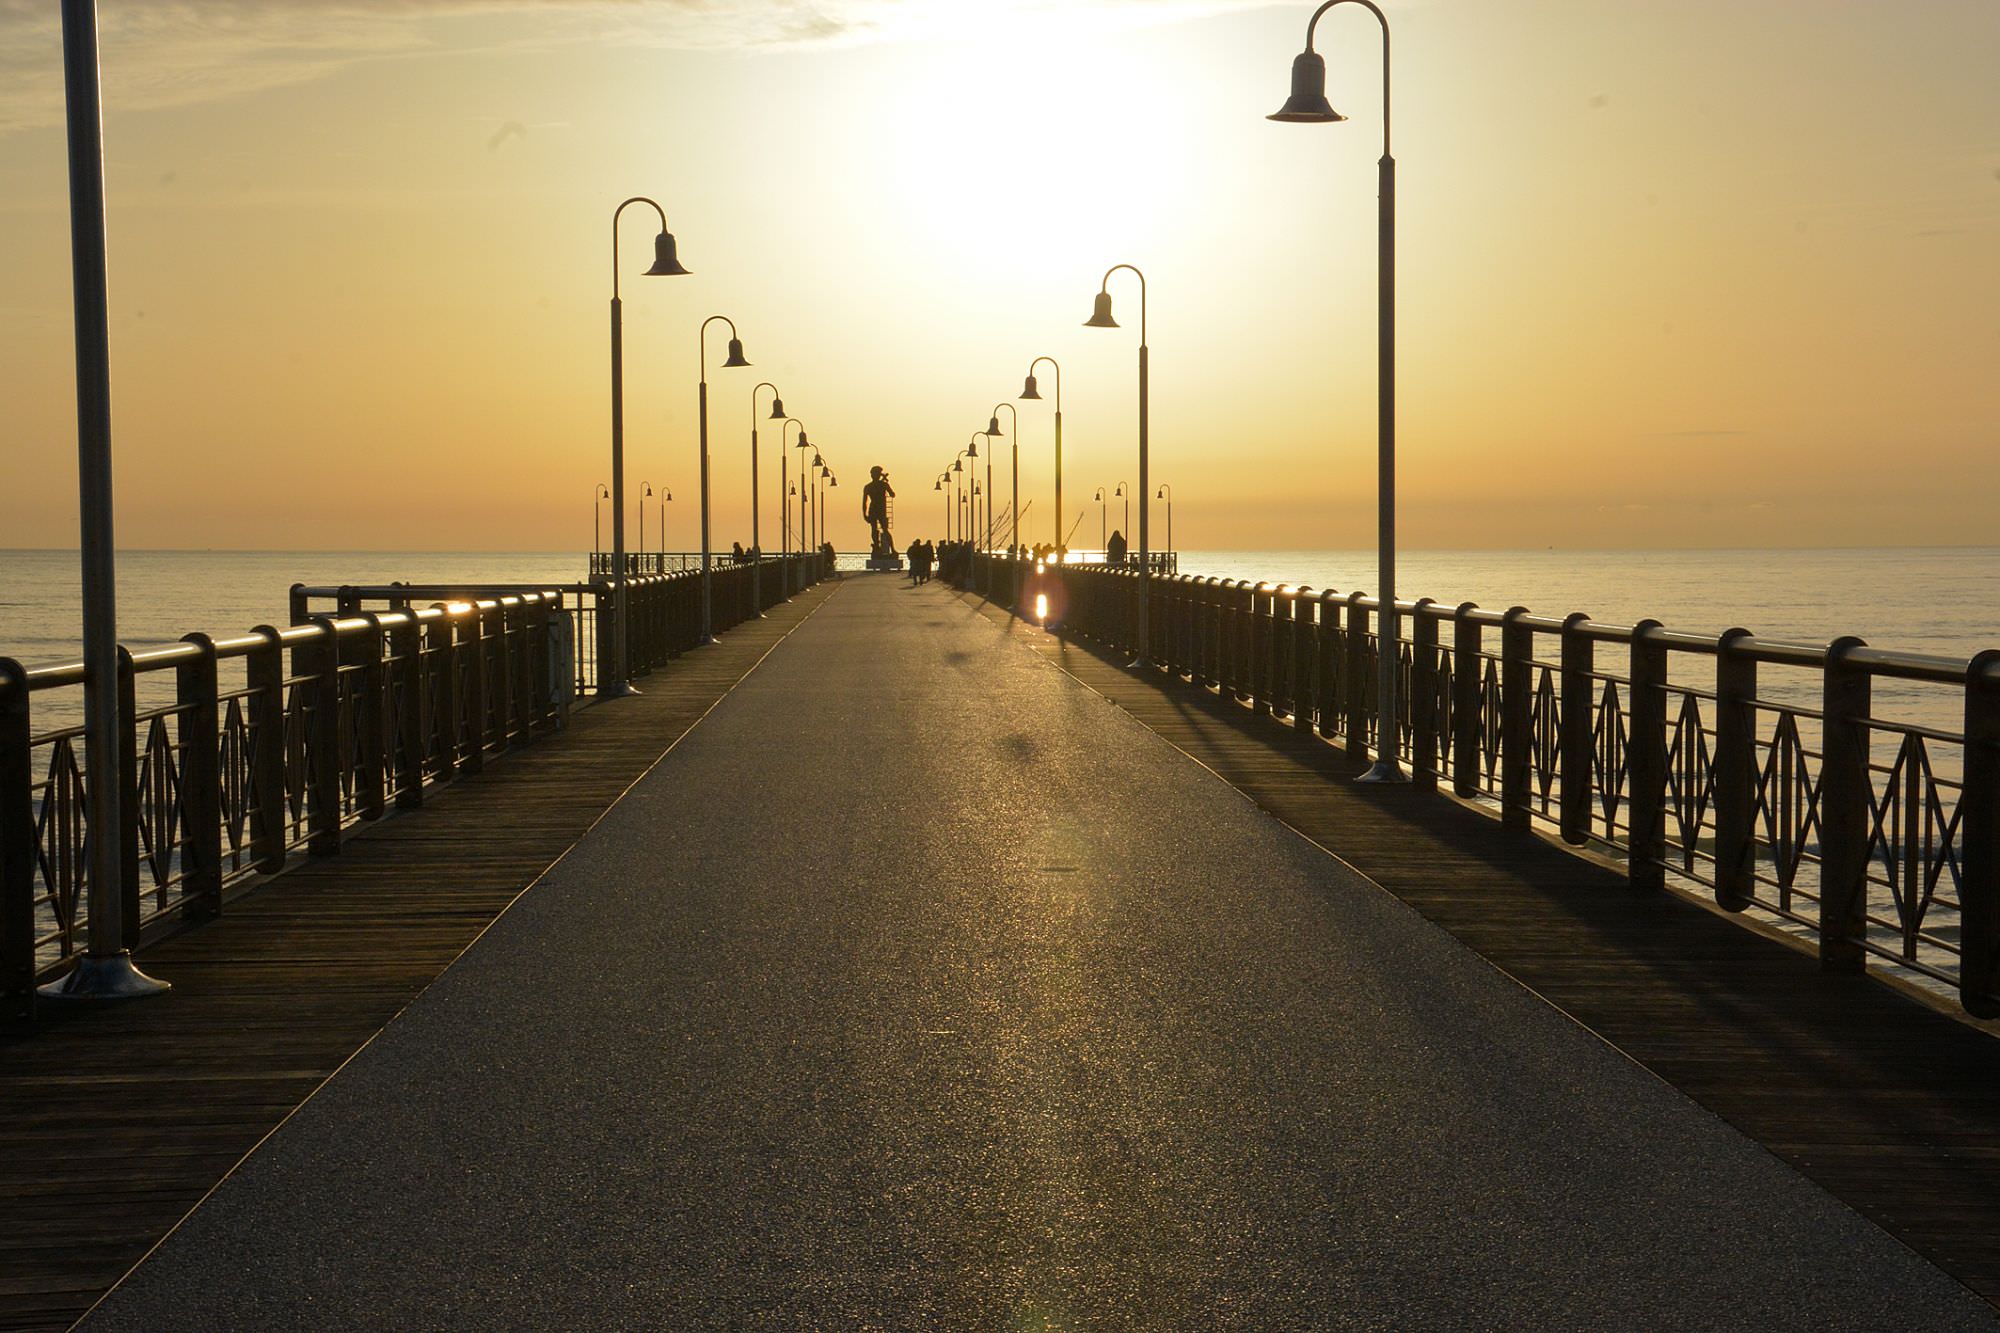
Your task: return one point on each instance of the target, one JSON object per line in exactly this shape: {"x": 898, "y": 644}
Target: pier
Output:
{"x": 900, "y": 957}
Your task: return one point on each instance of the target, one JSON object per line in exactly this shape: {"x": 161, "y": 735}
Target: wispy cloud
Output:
{"x": 179, "y": 52}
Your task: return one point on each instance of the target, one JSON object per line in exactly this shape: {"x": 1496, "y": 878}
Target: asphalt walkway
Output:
{"x": 917, "y": 987}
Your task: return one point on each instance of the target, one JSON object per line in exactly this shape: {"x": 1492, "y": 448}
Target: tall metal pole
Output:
{"x": 1308, "y": 104}
{"x": 757, "y": 546}
{"x": 1101, "y": 319}
{"x": 665, "y": 263}
{"x": 1014, "y": 510}
{"x": 105, "y": 971}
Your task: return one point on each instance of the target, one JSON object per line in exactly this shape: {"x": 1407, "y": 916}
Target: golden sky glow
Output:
{"x": 1672, "y": 273}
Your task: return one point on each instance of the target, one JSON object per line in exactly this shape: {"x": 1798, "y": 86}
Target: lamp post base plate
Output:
{"x": 107, "y": 978}
{"x": 1385, "y": 771}
{"x": 1139, "y": 664}
{"x": 617, "y": 689}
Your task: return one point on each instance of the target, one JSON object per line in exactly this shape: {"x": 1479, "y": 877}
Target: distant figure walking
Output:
{"x": 916, "y": 554}
{"x": 1114, "y": 549}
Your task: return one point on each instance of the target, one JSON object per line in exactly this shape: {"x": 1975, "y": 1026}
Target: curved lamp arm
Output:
{"x": 1058, "y": 365}
{"x": 1381, "y": 18}
{"x": 620, "y": 212}
{"x": 1105, "y": 286}
{"x": 736, "y": 342}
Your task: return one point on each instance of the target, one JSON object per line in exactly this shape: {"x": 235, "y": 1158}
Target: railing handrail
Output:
{"x": 1898, "y": 663}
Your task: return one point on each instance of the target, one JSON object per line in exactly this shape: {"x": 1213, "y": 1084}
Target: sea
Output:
{"x": 1936, "y": 600}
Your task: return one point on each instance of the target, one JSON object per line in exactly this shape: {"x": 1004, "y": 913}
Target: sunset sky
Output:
{"x": 1673, "y": 272}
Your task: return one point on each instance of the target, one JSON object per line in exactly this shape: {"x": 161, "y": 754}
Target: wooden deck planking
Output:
{"x": 1887, "y": 1103}
{"x": 115, "y": 1121}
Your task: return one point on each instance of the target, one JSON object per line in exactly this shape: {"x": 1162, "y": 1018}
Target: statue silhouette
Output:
{"x": 875, "y": 497}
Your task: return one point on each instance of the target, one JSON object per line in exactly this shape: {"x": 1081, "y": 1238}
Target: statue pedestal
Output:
{"x": 885, "y": 562}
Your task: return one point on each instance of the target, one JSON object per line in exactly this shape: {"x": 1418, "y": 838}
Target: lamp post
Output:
{"x": 958, "y": 484}
{"x": 1014, "y": 510}
{"x": 1166, "y": 492}
{"x": 805, "y": 488}
{"x": 1124, "y": 492}
{"x": 666, "y": 498}
{"x": 597, "y": 498}
{"x": 1030, "y": 392}
{"x": 1103, "y": 521}
{"x": 938, "y": 485}
{"x": 1308, "y": 105}
{"x": 1100, "y": 318}
{"x": 756, "y": 502}
{"x": 733, "y": 361}
{"x": 666, "y": 264}
{"x": 785, "y": 488}
{"x": 986, "y": 533}
{"x": 819, "y": 472}
{"x": 105, "y": 971}
{"x": 645, "y": 494}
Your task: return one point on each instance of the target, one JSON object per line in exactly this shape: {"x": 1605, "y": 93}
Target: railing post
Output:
{"x": 17, "y": 843}
{"x": 1305, "y": 609}
{"x": 1468, "y": 690}
{"x": 1356, "y": 622}
{"x": 198, "y": 722}
{"x": 264, "y": 677}
{"x": 1517, "y": 691}
{"x": 1423, "y": 695}
{"x": 442, "y": 637}
{"x": 1646, "y": 762}
{"x": 1979, "y": 894}
{"x": 1574, "y": 739}
{"x": 1735, "y": 771}
{"x": 128, "y": 799}
{"x": 300, "y": 608}
{"x": 413, "y": 716}
{"x": 1844, "y": 787}
{"x": 504, "y": 619}
{"x": 323, "y": 773}
{"x": 473, "y": 645}
{"x": 1327, "y": 662}
{"x": 1263, "y": 655}
{"x": 371, "y": 766}
{"x": 606, "y": 613}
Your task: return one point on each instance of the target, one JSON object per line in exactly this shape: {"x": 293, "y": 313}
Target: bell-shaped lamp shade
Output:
{"x": 818, "y": 461}
{"x": 1100, "y": 317}
{"x": 993, "y": 425}
{"x": 668, "y": 496}
{"x": 831, "y": 480}
{"x": 938, "y": 485}
{"x": 666, "y": 259}
{"x": 735, "y": 361}
{"x": 803, "y": 442}
{"x": 778, "y": 412}
{"x": 1307, "y": 105}
{"x": 958, "y": 465}
{"x": 1029, "y": 392}
{"x": 972, "y": 449}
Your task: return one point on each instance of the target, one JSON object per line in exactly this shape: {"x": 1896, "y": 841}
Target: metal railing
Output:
{"x": 1761, "y": 773}
{"x": 236, "y": 755}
